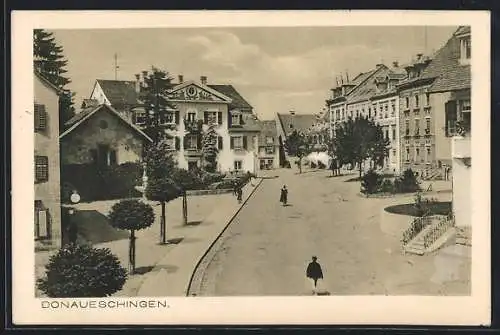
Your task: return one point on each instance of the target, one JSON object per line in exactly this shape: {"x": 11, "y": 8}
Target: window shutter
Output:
{"x": 112, "y": 157}
{"x": 185, "y": 142}
{"x": 245, "y": 142}
{"x": 219, "y": 117}
{"x": 177, "y": 143}
{"x": 450, "y": 116}
{"x": 198, "y": 141}
{"x": 229, "y": 120}
{"x": 219, "y": 142}
{"x": 40, "y": 117}
{"x": 232, "y": 143}
{"x": 205, "y": 117}
{"x": 241, "y": 119}
{"x": 177, "y": 117}
{"x": 43, "y": 223}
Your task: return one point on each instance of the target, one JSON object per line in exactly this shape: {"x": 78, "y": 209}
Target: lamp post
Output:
{"x": 73, "y": 229}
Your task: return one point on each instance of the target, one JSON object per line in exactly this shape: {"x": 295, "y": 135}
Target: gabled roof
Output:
{"x": 204, "y": 87}
{"x": 87, "y": 113}
{"x": 462, "y": 30}
{"x": 299, "y": 122}
{"x": 228, "y": 90}
{"x": 449, "y": 74}
{"x": 119, "y": 92}
{"x": 267, "y": 129}
{"x": 47, "y": 82}
{"x": 250, "y": 123}
{"x": 367, "y": 88}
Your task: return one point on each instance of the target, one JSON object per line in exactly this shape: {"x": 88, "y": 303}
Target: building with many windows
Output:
{"x": 47, "y": 207}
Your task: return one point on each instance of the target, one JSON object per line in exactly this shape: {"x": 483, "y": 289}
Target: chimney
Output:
{"x": 379, "y": 65}
{"x": 419, "y": 56}
{"x": 137, "y": 83}
{"x": 292, "y": 112}
{"x": 395, "y": 64}
{"x": 181, "y": 79}
{"x": 203, "y": 80}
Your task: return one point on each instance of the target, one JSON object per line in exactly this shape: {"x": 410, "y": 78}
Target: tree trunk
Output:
{"x": 300, "y": 164}
{"x": 184, "y": 208}
{"x": 360, "y": 169}
{"x": 131, "y": 253}
{"x": 163, "y": 225}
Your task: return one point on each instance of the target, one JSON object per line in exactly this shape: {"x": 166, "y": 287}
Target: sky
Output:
{"x": 275, "y": 69}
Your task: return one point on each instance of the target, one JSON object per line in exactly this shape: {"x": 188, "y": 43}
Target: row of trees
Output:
{"x": 356, "y": 141}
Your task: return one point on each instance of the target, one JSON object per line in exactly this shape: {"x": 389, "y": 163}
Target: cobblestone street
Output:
{"x": 267, "y": 247}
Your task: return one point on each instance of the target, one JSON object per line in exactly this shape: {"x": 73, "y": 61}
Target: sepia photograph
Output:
{"x": 252, "y": 161}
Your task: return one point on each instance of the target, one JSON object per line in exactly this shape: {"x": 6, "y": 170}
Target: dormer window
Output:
{"x": 465, "y": 50}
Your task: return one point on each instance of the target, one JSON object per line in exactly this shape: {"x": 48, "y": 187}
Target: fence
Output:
{"x": 416, "y": 226}
{"x": 438, "y": 230}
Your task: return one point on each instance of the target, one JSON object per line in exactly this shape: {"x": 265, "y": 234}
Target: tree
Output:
{"x": 80, "y": 271}
{"x": 49, "y": 60}
{"x": 185, "y": 180}
{"x": 359, "y": 139}
{"x": 298, "y": 145}
{"x": 131, "y": 215}
{"x": 159, "y": 160}
{"x": 209, "y": 149}
{"x": 164, "y": 190}
{"x": 155, "y": 101}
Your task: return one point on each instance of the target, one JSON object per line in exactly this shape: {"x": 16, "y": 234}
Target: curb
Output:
{"x": 202, "y": 258}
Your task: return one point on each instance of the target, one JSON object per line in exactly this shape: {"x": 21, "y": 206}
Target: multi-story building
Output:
{"x": 47, "y": 214}
{"x": 194, "y": 107}
{"x": 268, "y": 153}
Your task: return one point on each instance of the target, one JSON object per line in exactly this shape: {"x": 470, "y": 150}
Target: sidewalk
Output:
{"x": 171, "y": 274}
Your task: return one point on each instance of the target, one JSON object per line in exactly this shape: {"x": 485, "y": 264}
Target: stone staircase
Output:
{"x": 434, "y": 235}
{"x": 433, "y": 174}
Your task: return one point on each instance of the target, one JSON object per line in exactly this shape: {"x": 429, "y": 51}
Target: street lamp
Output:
{"x": 73, "y": 229}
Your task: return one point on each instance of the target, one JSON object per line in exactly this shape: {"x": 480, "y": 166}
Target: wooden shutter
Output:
{"x": 43, "y": 223}
{"x": 41, "y": 168}
{"x": 241, "y": 119}
{"x": 232, "y": 143}
{"x": 40, "y": 117}
{"x": 198, "y": 141}
{"x": 450, "y": 116}
{"x": 229, "y": 120}
{"x": 185, "y": 142}
{"x": 177, "y": 143}
{"x": 205, "y": 117}
{"x": 177, "y": 117}
{"x": 112, "y": 157}
{"x": 219, "y": 142}
{"x": 245, "y": 142}
{"x": 219, "y": 117}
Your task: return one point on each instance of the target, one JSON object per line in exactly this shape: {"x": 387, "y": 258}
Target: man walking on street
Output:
{"x": 314, "y": 273}
{"x": 284, "y": 195}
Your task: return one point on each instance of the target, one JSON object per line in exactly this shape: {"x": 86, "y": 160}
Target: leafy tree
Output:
{"x": 80, "y": 271}
{"x": 297, "y": 144}
{"x": 359, "y": 139}
{"x": 209, "y": 148}
{"x": 185, "y": 180}
{"x": 164, "y": 190}
{"x": 49, "y": 60}
{"x": 159, "y": 160}
{"x": 131, "y": 215}
{"x": 155, "y": 101}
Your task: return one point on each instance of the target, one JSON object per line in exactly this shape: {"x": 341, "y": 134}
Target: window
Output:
{"x": 465, "y": 106}
{"x": 393, "y": 158}
{"x": 417, "y": 154}
{"x": 465, "y": 50}
{"x": 428, "y": 158}
{"x": 40, "y": 117}
{"x": 393, "y": 108}
{"x": 269, "y": 140}
{"x": 387, "y": 134}
{"x": 407, "y": 127}
{"x": 407, "y": 154}
{"x": 166, "y": 118}
{"x": 417, "y": 126}
{"x": 140, "y": 117}
{"x": 427, "y": 126}
{"x": 427, "y": 99}
{"x": 393, "y": 134}
{"x": 417, "y": 101}
{"x": 369, "y": 112}
{"x": 41, "y": 169}
{"x": 238, "y": 142}
{"x": 103, "y": 124}
{"x": 291, "y": 126}
{"x": 269, "y": 150}
{"x": 210, "y": 117}
{"x": 238, "y": 165}
{"x": 192, "y": 142}
{"x": 407, "y": 102}
{"x": 42, "y": 228}
{"x": 191, "y": 116}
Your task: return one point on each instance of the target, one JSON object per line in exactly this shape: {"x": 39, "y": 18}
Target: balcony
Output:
{"x": 460, "y": 147}
{"x": 192, "y": 152}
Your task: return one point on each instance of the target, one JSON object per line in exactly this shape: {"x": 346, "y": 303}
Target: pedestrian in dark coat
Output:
{"x": 284, "y": 195}
{"x": 314, "y": 273}
{"x": 240, "y": 194}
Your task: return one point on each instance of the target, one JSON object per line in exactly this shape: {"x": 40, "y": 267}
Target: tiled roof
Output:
{"x": 462, "y": 30}
{"x": 47, "y": 82}
{"x": 230, "y": 91}
{"x": 87, "y": 113}
{"x": 449, "y": 74}
{"x": 267, "y": 129}
{"x": 119, "y": 92}
{"x": 250, "y": 123}
{"x": 368, "y": 88}
{"x": 299, "y": 122}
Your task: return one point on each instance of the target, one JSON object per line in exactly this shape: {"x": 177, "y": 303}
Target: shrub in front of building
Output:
{"x": 81, "y": 271}
{"x": 371, "y": 182}
{"x": 407, "y": 183}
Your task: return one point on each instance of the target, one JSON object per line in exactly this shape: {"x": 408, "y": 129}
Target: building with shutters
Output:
{"x": 268, "y": 152}
{"x": 47, "y": 206}
{"x": 196, "y": 107}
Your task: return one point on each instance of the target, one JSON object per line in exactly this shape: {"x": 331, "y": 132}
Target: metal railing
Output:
{"x": 416, "y": 226}
{"x": 438, "y": 230}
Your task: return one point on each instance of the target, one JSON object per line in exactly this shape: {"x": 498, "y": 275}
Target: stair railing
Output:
{"x": 438, "y": 230}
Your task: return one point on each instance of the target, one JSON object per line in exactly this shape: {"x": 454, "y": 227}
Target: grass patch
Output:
{"x": 437, "y": 208}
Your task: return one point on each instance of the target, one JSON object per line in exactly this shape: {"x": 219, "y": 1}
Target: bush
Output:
{"x": 120, "y": 180}
{"x": 312, "y": 165}
{"x": 321, "y": 165}
{"x": 208, "y": 178}
{"x": 371, "y": 182}
{"x": 407, "y": 183}
{"x": 387, "y": 186}
{"x": 80, "y": 271}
